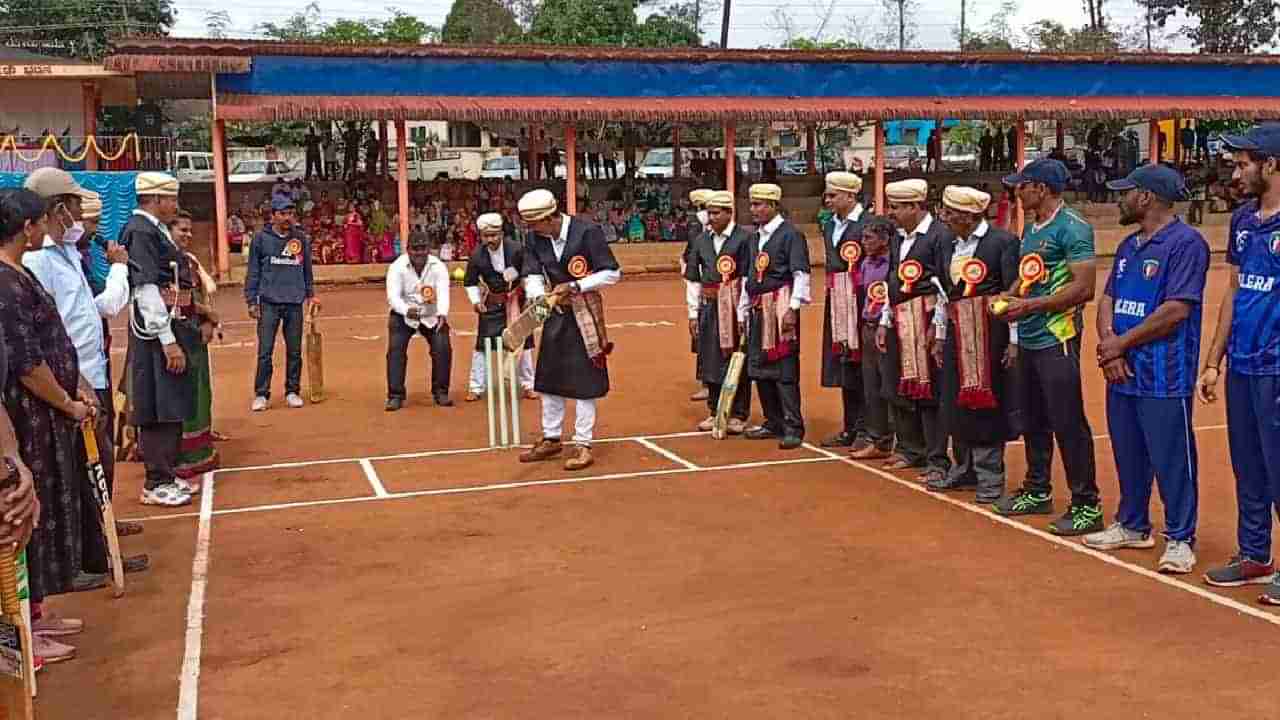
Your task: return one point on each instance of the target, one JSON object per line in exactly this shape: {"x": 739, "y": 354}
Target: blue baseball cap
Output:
{"x": 280, "y": 204}
{"x": 1161, "y": 180}
{"x": 1046, "y": 170}
{"x": 1264, "y": 138}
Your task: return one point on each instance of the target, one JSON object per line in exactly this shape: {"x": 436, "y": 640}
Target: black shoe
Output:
{"x": 790, "y": 442}
{"x": 760, "y": 433}
{"x": 394, "y": 404}
{"x": 137, "y": 564}
{"x": 88, "y": 581}
{"x": 1023, "y": 502}
{"x": 444, "y": 401}
{"x": 945, "y": 483}
{"x": 1078, "y": 520}
{"x": 841, "y": 439}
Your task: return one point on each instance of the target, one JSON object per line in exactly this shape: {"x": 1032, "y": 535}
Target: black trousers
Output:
{"x": 161, "y": 443}
{"x": 741, "y": 408}
{"x": 874, "y": 402}
{"x": 275, "y": 315}
{"x": 922, "y": 439}
{"x": 1051, "y": 400}
{"x": 313, "y": 163}
{"x": 780, "y": 401}
{"x": 855, "y": 422}
{"x": 439, "y": 347}
{"x": 593, "y": 164}
{"x": 106, "y": 435}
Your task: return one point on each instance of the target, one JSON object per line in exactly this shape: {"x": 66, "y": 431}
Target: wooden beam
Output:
{"x": 811, "y": 139}
{"x": 1061, "y": 136}
{"x": 402, "y": 180}
{"x": 1019, "y": 157}
{"x": 571, "y": 167}
{"x": 1153, "y": 142}
{"x": 675, "y": 154}
{"x": 385, "y": 133}
{"x": 222, "y": 241}
{"x": 880, "y": 208}
{"x": 730, "y": 159}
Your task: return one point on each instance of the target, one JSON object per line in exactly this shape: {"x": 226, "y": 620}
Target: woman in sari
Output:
{"x": 353, "y": 237}
{"x": 198, "y": 455}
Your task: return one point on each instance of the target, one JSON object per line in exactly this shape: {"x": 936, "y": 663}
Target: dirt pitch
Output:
{"x": 353, "y": 562}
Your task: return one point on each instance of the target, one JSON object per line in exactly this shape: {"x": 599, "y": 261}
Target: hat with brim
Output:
{"x": 845, "y": 182}
{"x": 155, "y": 183}
{"x": 766, "y": 191}
{"x": 91, "y": 206}
{"x": 537, "y": 205}
{"x": 281, "y": 204}
{"x": 489, "y": 222}
{"x": 1264, "y": 139}
{"x": 48, "y": 183}
{"x": 914, "y": 190}
{"x": 720, "y": 199}
{"x": 1160, "y": 180}
{"x": 699, "y": 197}
{"x": 965, "y": 199}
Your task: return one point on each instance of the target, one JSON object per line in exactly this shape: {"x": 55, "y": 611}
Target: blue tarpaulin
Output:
{"x": 116, "y": 189}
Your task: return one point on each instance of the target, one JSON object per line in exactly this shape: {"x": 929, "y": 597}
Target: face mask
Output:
{"x": 703, "y": 217}
{"x": 72, "y": 235}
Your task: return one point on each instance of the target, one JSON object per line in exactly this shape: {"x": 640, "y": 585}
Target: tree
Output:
{"x": 480, "y": 22}
{"x": 1230, "y": 26}
{"x": 306, "y": 25}
{"x": 217, "y": 22}
{"x": 999, "y": 35}
{"x": 1051, "y": 36}
{"x": 583, "y": 22}
{"x": 408, "y": 30}
{"x": 899, "y": 28}
{"x": 302, "y": 25}
{"x": 1094, "y": 11}
{"x": 80, "y": 28}
{"x": 664, "y": 31}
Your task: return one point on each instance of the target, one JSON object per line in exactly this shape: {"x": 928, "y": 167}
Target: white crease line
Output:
{"x": 189, "y": 684}
{"x": 1105, "y": 436}
{"x": 375, "y": 482}
{"x": 488, "y": 488}
{"x": 1072, "y": 545}
{"x": 646, "y": 442}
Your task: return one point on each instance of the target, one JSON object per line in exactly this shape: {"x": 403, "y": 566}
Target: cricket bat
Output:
{"x": 531, "y": 318}
{"x": 17, "y": 664}
{"x": 315, "y": 358}
{"x": 732, "y": 376}
{"x": 98, "y": 483}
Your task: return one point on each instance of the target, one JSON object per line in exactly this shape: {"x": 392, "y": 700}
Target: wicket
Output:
{"x": 501, "y": 382}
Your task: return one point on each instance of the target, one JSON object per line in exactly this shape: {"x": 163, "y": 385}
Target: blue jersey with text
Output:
{"x": 1254, "y": 250}
{"x": 1171, "y": 265}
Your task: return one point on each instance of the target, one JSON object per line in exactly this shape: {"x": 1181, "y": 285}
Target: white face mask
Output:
{"x": 72, "y": 235}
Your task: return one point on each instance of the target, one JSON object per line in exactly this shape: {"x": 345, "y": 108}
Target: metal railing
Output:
{"x": 29, "y": 152}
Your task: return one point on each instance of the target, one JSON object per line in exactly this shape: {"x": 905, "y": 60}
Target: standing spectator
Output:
{"x": 198, "y": 455}
{"x": 877, "y": 234}
{"x": 1202, "y": 144}
{"x": 1012, "y": 139}
{"x": 522, "y": 154}
{"x": 372, "y": 151}
{"x": 46, "y": 408}
{"x": 277, "y": 287}
{"x": 418, "y": 295}
{"x": 593, "y": 157}
{"x": 350, "y": 151}
{"x": 1148, "y": 348}
{"x": 1187, "y": 144}
{"x": 997, "y": 149}
{"x": 330, "y": 169}
{"x": 610, "y": 157}
{"x": 312, "y": 143}
{"x": 986, "y": 144}
{"x": 1049, "y": 321}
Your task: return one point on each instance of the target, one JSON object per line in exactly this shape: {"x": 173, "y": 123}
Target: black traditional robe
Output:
{"x": 1000, "y": 251}
{"x": 480, "y": 273}
{"x": 788, "y": 253}
{"x": 702, "y": 269}
{"x": 838, "y": 370}
{"x": 563, "y": 366}
{"x": 927, "y": 250}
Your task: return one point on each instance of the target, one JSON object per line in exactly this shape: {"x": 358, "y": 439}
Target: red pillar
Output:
{"x": 402, "y": 180}
{"x": 1061, "y": 133}
{"x": 731, "y": 158}
{"x": 385, "y": 133}
{"x": 1177, "y": 141}
{"x": 1153, "y": 149}
{"x": 223, "y": 251}
{"x": 879, "y": 160}
{"x": 535, "y": 149}
{"x": 571, "y": 167}
{"x": 89, "y": 93}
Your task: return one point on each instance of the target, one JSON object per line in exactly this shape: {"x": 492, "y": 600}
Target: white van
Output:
{"x": 193, "y": 167}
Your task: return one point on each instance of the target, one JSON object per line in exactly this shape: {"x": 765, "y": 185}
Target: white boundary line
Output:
{"x": 1071, "y": 545}
{"x": 646, "y": 442}
{"x": 189, "y": 682}
{"x": 375, "y": 482}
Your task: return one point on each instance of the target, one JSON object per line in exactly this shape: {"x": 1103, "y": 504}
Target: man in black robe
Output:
{"x": 841, "y": 326}
{"x": 163, "y": 328}
{"x": 777, "y": 287}
{"x": 698, "y": 228}
{"x": 567, "y": 259}
{"x": 717, "y": 263}
{"x": 974, "y": 270}
{"x": 906, "y": 326}
{"x": 492, "y": 284}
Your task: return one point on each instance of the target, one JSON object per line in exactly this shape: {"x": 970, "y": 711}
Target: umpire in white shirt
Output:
{"x": 418, "y": 293}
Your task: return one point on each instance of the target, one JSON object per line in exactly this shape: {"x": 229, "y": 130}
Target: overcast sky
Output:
{"x": 751, "y": 25}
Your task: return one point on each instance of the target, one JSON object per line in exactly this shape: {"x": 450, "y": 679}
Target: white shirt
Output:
{"x": 693, "y": 290}
{"x": 155, "y": 314}
{"x": 800, "y": 278}
{"x": 908, "y": 242}
{"x": 499, "y": 260}
{"x": 404, "y": 290}
{"x": 842, "y": 224}
{"x": 535, "y": 288}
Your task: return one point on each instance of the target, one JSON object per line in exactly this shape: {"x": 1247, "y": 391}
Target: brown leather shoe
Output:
{"x": 579, "y": 458}
{"x": 870, "y": 452}
{"x": 544, "y": 450}
{"x": 471, "y": 397}
{"x": 530, "y": 395}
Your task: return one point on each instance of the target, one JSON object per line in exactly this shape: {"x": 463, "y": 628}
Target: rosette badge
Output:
{"x": 762, "y": 264}
{"x": 1030, "y": 271}
{"x": 293, "y": 248}
{"x": 578, "y": 267}
{"x": 909, "y": 273}
{"x": 973, "y": 272}
{"x": 851, "y": 253}
{"x": 428, "y": 294}
{"x": 726, "y": 267}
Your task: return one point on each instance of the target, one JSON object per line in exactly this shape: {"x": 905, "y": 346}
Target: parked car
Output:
{"x": 659, "y": 163}
{"x": 959, "y": 158}
{"x": 508, "y": 166}
{"x": 903, "y": 157}
{"x": 191, "y": 167}
{"x": 253, "y": 171}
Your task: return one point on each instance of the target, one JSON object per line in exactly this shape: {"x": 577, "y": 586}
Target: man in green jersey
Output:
{"x": 1056, "y": 279}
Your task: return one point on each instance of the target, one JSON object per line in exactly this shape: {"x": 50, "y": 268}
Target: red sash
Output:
{"x": 725, "y": 294}
{"x": 842, "y": 305}
{"x": 972, "y": 320}
{"x": 913, "y": 321}
{"x": 773, "y": 305}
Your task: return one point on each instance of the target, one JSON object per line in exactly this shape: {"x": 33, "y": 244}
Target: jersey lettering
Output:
{"x": 1132, "y": 308}
{"x": 1257, "y": 283}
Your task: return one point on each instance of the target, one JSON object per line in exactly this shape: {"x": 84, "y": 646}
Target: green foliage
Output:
{"x": 612, "y": 22}
{"x": 1230, "y": 26}
{"x": 998, "y": 35}
{"x": 807, "y": 43}
{"x": 79, "y": 28}
{"x": 307, "y": 25}
{"x": 1053, "y": 37}
{"x": 480, "y": 22}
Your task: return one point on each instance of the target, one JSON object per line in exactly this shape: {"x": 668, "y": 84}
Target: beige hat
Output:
{"x": 489, "y": 222}
{"x": 699, "y": 197}
{"x": 537, "y": 205}
{"x": 48, "y": 182}
{"x": 766, "y": 191}
{"x": 907, "y": 191}
{"x": 91, "y": 206}
{"x": 156, "y": 183}
{"x": 965, "y": 199}
{"x": 845, "y": 182}
{"x": 720, "y": 199}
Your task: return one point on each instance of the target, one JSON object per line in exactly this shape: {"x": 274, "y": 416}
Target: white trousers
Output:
{"x": 584, "y": 422}
{"x": 478, "y": 375}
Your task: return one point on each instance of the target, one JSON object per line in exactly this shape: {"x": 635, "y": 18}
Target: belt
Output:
{"x": 496, "y": 300}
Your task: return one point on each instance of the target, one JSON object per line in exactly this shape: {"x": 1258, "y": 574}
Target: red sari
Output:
{"x": 353, "y": 239}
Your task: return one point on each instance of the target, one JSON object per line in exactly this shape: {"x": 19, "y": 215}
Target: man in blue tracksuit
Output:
{"x": 1248, "y": 335}
{"x": 1148, "y": 348}
{"x": 277, "y": 287}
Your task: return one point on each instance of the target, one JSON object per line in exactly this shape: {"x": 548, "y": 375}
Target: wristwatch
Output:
{"x": 575, "y": 287}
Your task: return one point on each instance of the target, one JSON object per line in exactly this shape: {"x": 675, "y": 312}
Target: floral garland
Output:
{"x": 10, "y": 143}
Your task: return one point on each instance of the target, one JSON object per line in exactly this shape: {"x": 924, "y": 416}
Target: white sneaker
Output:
{"x": 294, "y": 400}
{"x": 167, "y": 495}
{"x": 1178, "y": 558}
{"x": 259, "y": 404}
{"x": 1118, "y": 536}
{"x": 186, "y": 487}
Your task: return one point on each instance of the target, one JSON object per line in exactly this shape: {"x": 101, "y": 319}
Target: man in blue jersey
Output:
{"x": 1248, "y": 335}
{"x": 1148, "y": 348}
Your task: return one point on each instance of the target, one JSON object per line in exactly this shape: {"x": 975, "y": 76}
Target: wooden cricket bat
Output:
{"x": 17, "y": 664}
{"x": 732, "y": 377}
{"x": 530, "y": 319}
{"x": 315, "y": 358}
{"x": 98, "y": 483}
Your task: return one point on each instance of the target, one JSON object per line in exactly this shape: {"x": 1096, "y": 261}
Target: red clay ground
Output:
{"x": 639, "y": 588}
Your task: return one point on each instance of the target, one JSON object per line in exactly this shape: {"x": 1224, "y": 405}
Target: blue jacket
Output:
{"x": 279, "y": 268}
